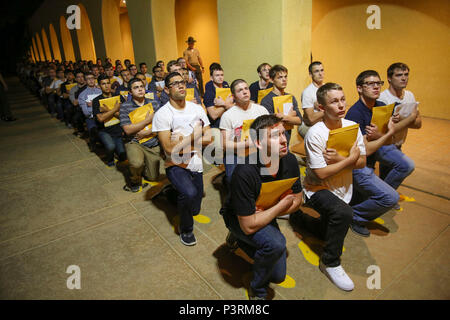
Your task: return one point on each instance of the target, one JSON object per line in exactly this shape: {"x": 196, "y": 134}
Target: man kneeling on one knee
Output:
{"x": 142, "y": 154}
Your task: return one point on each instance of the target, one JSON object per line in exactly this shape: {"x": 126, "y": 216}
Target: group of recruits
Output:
{"x": 345, "y": 191}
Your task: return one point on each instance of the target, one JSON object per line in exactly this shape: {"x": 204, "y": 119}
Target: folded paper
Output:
{"x": 381, "y": 115}
{"x": 272, "y": 191}
{"x": 190, "y": 94}
{"x": 139, "y": 115}
{"x": 263, "y": 93}
{"x": 342, "y": 139}
{"x": 110, "y": 103}
{"x": 223, "y": 93}
{"x": 283, "y": 104}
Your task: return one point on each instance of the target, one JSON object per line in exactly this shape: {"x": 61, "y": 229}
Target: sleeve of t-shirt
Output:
{"x": 293, "y": 165}
{"x": 161, "y": 121}
{"x": 355, "y": 116}
{"x": 225, "y": 121}
{"x": 244, "y": 189}
{"x": 202, "y": 115}
{"x": 360, "y": 143}
{"x": 254, "y": 91}
{"x": 307, "y": 100}
{"x": 267, "y": 103}
{"x": 123, "y": 116}
{"x": 314, "y": 146}
{"x": 294, "y": 102}
{"x": 208, "y": 98}
{"x": 95, "y": 107}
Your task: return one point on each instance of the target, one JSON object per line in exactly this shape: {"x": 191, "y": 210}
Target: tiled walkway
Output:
{"x": 61, "y": 206}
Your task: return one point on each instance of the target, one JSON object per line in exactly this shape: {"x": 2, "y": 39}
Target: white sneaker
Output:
{"x": 285, "y": 217}
{"x": 338, "y": 276}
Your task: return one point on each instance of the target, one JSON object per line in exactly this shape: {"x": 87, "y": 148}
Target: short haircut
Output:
{"x": 131, "y": 65}
{"x": 124, "y": 70}
{"x": 142, "y": 64}
{"x": 323, "y": 91}
{"x": 139, "y": 74}
{"x": 276, "y": 69}
{"x": 365, "y": 74}
{"x": 102, "y": 77}
{"x": 170, "y": 64}
{"x": 94, "y": 66}
{"x": 67, "y": 71}
{"x": 235, "y": 83}
{"x": 108, "y": 66}
{"x": 397, "y": 65}
{"x": 262, "y": 65}
{"x": 214, "y": 67}
{"x": 89, "y": 73}
{"x": 158, "y": 62}
{"x": 262, "y": 122}
{"x": 79, "y": 71}
{"x": 170, "y": 76}
{"x": 156, "y": 67}
{"x": 132, "y": 81}
{"x": 314, "y": 63}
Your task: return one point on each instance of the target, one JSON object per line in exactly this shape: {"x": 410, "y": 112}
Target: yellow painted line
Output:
{"x": 200, "y": 218}
{"x": 309, "y": 254}
{"x": 399, "y": 210}
{"x": 288, "y": 282}
{"x": 406, "y": 198}
{"x": 379, "y": 221}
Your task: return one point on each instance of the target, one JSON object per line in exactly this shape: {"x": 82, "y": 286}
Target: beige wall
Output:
{"x": 415, "y": 32}
{"x": 46, "y": 45}
{"x": 54, "y": 43}
{"x": 204, "y": 29}
{"x": 66, "y": 40}
{"x": 165, "y": 34}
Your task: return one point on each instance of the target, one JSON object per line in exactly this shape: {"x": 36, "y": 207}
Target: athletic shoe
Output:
{"x": 188, "y": 239}
{"x": 359, "y": 228}
{"x": 338, "y": 276}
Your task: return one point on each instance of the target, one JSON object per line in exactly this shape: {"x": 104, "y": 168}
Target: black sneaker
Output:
{"x": 359, "y": 228}
{"x": 188, "y": 239}
{"x": 252, "y": 296}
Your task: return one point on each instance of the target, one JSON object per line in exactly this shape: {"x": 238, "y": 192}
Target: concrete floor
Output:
{"x": 61, "y": 206}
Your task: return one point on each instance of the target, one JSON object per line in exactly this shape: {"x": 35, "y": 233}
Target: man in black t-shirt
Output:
{"x": 108, "y": 124}
{"x": 263, "y": 82}
{"x": 257, "y": 227}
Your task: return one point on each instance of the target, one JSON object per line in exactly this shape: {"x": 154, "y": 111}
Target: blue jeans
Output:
{"x": 270, "y": 255}
{"x": 112, "y": 144}
{"x": 395, "y": 166}
{"x": 371, "y": 196}
{"x": 189, "y": 186}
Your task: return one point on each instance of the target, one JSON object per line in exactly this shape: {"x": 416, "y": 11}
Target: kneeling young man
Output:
{"x": 257, "y": 227}
{"x": 328, "y": 183}
{"x": 182, "y": 127}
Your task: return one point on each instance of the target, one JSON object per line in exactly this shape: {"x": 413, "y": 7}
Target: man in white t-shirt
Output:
{"x": 311, "y": 113}
{"x": 183, "y": 128}
{"x": 398, "y": 75}
{"x": 231, "y": 124}
{"x": 328, "y": 184}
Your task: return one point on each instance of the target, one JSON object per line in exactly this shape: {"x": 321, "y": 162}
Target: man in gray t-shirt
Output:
{"x": 143, "y": 149}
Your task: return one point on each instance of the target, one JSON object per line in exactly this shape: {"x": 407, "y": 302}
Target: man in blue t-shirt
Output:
{"x": 263, "y": 82}
{"x": 373, "y": 196}
{"x": 215, "y": 107}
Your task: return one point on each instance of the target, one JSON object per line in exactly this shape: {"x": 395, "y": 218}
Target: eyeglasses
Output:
{"x": 373, "y": 83}
{"x": 177, "y": 84}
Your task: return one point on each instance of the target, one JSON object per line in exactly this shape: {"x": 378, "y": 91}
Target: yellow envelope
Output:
{"x": 342, "y": 139}
{"x": 110, "y": 103}
{"x": 272, "y": 191}
{"x": 283, "y": 104}
{"x": 245, "y": 133}
{"x": 124, "y": 94}
{"x": 148, "y": 79}
{"x": 263, "y": 93}
{"x": 223, "y": 93}
{"x": 381, "y": 115}
{"x": 139, "y": 115}
{"x": 70, "y": 86}
{"x": 150, "y": 95}
{"x": 190, "y": 94}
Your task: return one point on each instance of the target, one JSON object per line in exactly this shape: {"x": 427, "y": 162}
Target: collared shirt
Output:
{"x": 87, "y": 95}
